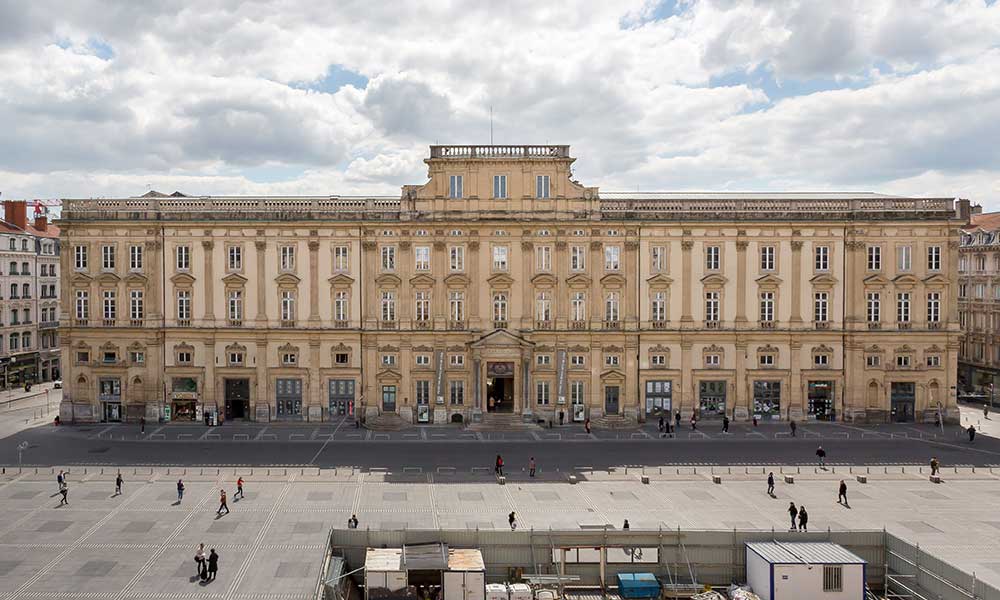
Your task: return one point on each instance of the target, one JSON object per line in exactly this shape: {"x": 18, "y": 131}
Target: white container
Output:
{"x": 539, "y": 595}
{"x": 496, "y": 591}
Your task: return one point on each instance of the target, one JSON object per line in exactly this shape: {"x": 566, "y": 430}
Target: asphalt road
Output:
{"x": 341, "y": 445}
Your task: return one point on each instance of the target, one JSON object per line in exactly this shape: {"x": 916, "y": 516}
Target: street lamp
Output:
{"x": 21, "y": 448}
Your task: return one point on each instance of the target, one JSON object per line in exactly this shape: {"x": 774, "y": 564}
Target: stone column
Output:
{"x": 794, "y": 396}
{"x": 596, "y": 298}
{"x": 439, "y": 294}
{"x": 314, "y": 281}
{"x": 475, "y": 293}
{"x": 262, "y": 402}
{"x": 261, "y": 268}
{"x": 630, "y": 299}
{"x": 741, "y": 284}
{"x": 208, "y": 386}
{"x": 403, "y": 267}
{"x": 687, "y": 319}
{"x": 314, "y": 408}
{"x": 561, "y": 301}
{"x": 154, "y": 302}
{"x": 369, "y": 271}
{"x": 687, "y": 397}
{"x": 796, "y": 315}
{"x": 854, "y": 290}
{"x": 527, "y": 291}
{"x": 209, "y": 282}
{"x": 741, "y": 404}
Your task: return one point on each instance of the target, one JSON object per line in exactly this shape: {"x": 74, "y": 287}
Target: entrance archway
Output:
{"x": 500, "y": 387}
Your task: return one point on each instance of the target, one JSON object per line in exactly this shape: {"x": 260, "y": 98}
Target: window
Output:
{"x": 821, "y": 360}
{"x": 107, "y": 258}
{"x": 81, "y": 357}
{"x": 576, "y": 392}
{"x": 980, "y": 290}
{"x": 15, "y": 316}
{"x": 341, "y": 258}
{"x": 903, "y": 360}
{"x": 235, "y": 305}
{"x": 235, "y": 358}
{"x": 578, "y": 306}
{"x": 874, "y": 307}
{"x": 612, "y": 258}
{"x": 822, "y": 258}
{"x": 184, "y": 305}
{"x": 577, "y": 360}
{"x": 821, "y": 307}
{"x": 766, "y": 361}
{"x": 874, "y": 258}
{"x": 388, "y": 258}
{"x": 934, "y": 258}
{"x": 421, "y": 258}
{"x": 456, "y": 258}
{"x": 543, "y": 307}
{"x": 712, "y": 306}
{"x": 286, "y": 256}
{"x": 388, "y": 360}
{"x": 24, "y": 245}
{"x": 980, "y": 263}
{"x": 767, "y": 258}
{"x": 933, "y": 307}
{"x": 15, "y": 339}
{"x": 25, "y": 289}
{"x": 500, "y": 186}
{"x": 657, "y": 259}
{"x": 611, "y": 307}
{"x": 423, "y": 392}
{"x": 82, "y": 304}
{"x": 712, "y": 258}
{"x": 13, "y": 291}
{"x": 543, "y": 360}
{"x": 499, "y": 258}
{"x": 342, "y": 358}
{"x": 388, "y": 306}
{"x": 542, "y": 392}
{"x": 455, "y": 187}
{"x": 456, "y": 360}
{"x": 933, "y": 360}
{"x": 658, "y": 360}
{"x": 658, "y": 309}
{"x": 183, "y": 357}
{"x": 904, "y": 256}
{"x": 903, "y": 307}
{"x": 712, "y": 360}
{"x": 134, "y": 259}
{"x": 873, "y": 360}
{"x": 423, "y": 360}
{"x": 456, "y": 392}
{"x": 183, "y": 258}
{"x": 135, "y": 305}
{"x": 456, "y": 306}
{"x": 612, "y": 360}
{"x": 767, "y": 307}
{"x": 340, "y": 307}
{"x": 422, "y": 306}
{"x": 235, "y": 258}
{"x": 499, "y": 306}
{"x": 542, "y": 186}
{"x": 287, "y": 305}
{"x": 543, "y": 258}
{"x": 833, "y": 578}
{"x": 289, "y": 358}
{"x": 110, "y": 306}
{"x": 577, "y": 258}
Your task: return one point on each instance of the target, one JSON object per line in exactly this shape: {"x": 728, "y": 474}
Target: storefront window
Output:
{"x": 821, "y": 400}
{"x": 712, "y": 398}
{"x": 184, "y": 384}
{"x": 767, "y": 399}
{"x": 658, "y": 396}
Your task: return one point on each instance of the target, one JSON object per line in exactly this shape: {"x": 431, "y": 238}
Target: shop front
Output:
{"x": 110, "y": 395}
{"x": 184, "y": 399}
{"x": 820, "y": 397}
{"x": 237, "y": 395}
{"x": 341, "y": 396}
{"x": 767, "y": 400}
{"x": 288, "y": 399}
{"x": 711, "y": 399}
{"x": 659, "y": 396}
{"x": 903, "y": 396}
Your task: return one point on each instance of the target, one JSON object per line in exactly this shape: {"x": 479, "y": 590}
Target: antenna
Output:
{"x": 491, "y": 124}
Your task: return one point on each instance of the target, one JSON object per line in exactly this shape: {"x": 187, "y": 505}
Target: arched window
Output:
{"x": 15, "y": 341}
{"x": 13, "y": 265}
{"x": 13, "y": 291}
{"x": 26, "y": 290}
{"x": 26, "y": 340}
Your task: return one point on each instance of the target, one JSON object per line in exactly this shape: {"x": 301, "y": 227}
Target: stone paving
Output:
{"x": 141, "y": 544}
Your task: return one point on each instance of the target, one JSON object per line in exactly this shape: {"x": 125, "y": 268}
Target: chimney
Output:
{"x": 41, "y": 222}
{"x": 16, "y": 213}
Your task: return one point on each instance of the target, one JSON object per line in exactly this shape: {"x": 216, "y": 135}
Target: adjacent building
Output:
{"x": 504, "y": 289}
{"x": 979, "y": 304}
{"x": 29, "y": 298}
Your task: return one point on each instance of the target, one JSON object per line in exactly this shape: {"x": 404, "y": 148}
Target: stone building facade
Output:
{"x": 979, "y": 305}
{"x": 502, "y": 290}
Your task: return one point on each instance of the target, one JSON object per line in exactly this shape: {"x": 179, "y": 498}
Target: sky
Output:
{"x": 344, "y": 97}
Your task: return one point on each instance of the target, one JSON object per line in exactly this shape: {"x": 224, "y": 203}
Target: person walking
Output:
{"x": 792, "y": 426}
{"x": 213, "y": 565}
{"x": 842, "y": 495}
{"x": 498, "y": 468}
{"x": 64, "y": 490}
{"x": 531, "y": 467}
{"x": 625, "y": 525}
{"x": 725, "y": 424}
{"x": 986, "y": 412}
{"x": 694, "y": 421}
{"x": 677, "y": 419}
{"x": 586, "y": 425}
{"x": 821, "y": 455}
{"x": 770, "y": 484}
{"x": 142, "y": 425}
{"x": 512, "y": 520}
{"x": 118, "y": 484}
{"x": 199, "y": 561}
{"x": 935, "y": 465}
{"x": 60, "y": 479}
{"x": 660, "y": 425}
{"x": 803, "y": 519}
{"x": 180, "y": 491}
{"x": 222, "y": 503}
{"x": 755, "y": 420}
{"x": 972, "y": 433}
{"x": 239, "y": 489}
{"x": 352, "y": 523}
{"x": 792, "y": 512}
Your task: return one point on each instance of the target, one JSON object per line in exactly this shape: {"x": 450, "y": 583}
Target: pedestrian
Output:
{"x": 677, "y": 419}
{"x": 935, "y": 465}
{"x": 512, "y": 520}
{"x": 937, "y": 418}
{"x": 770, "y": 484}
{"x": 64, "y": 490}
{"x": 222, "y": 503}
{"x": 199, "y": 561}
{"x": 792, "y": 425}
{"x": 625, "y": 525}
{"x": 793, "y": 512}
{"x": 213, "y": 565}
{"x": 586, "y": 425}
{"x": 842, "y": 496}
{"x": 755, "y": 420}
{"x": 725, "y": 424}
{"x": 986, "y": 411}
{"x": 562, "y": 417}
{"x": 694, "y": 421}
{"x": 239, "y": 489}
{"x": 180, "y": 491}
{"x": 118, "y": 484}
{"x": 821, "y": 455}
{"x": 352, "y": 523}
{"x": 498, "y": 467}
{"x": 142, "y": 425}
{"x": 803, "y": 519}
{"x": 60, "y": 478}
{"x": 972, "y": 432}
{"x": 531, "y": 467}
{"x": 660, "y": 425}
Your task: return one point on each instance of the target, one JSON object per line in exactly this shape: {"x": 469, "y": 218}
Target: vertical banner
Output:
{"x": 440, "y": 377}
{"x": 561, "y": 374}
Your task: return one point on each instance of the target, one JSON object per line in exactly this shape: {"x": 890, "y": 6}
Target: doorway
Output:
{"x": 612, "y": 394}
{"x": 711, "y": 399}
{"x": 903, "y": 399}
{"x": 237, "y": 398}
{"x": 500, "y": 387}
{"x": 388, "y": 398}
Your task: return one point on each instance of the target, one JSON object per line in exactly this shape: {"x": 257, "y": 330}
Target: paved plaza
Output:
{"x": 141, "y": 544}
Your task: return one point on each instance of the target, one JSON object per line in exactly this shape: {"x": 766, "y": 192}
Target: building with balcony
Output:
{"x": 503, "y": 289}
{"x": 979, "y": 304}
{"x": 29, "y": 298}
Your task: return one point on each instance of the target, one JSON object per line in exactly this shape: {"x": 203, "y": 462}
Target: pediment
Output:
{"x": 613, "y": 279}
{"x": 578, "y": 280}
{"x": 579, "y": 348}
{"x": 714, "y": 279}
{"x": 456, "y": 279}
{"x": 613, "y": 374}
{"x": 422, "y": 279}
{"x": 341, "y": 347}
{"x": 544, "y": 279}
{"x": 423, "y": 349}
{"x": 108, "y": 278}
{"x": 501, "y": 337}
{"x": 500, "y": 279}
{"x": 769, "y": 280}
{"x": 341, "y": 279}
{"x": 388, "y": 279}
{"x": 81, "y": 278}
{"x": 823, "y": 279}
{"x": 389, "y": 374}
{"x": 823, "y": 348}
{"x": 235, "y": 279}
{"x": 660, "y": 280}
{"x": 936, "y": 279}
{"x": 287, "y": 279}
{"x": 288, "y": 348}
{"x": 388, "y": 348}
{"x": 876, "y": 279}
{"x": 111, "y": 346}
{"x": 905, "y": 279}
{"x": 182, "y": 279}
{"x": 136, "y": 278}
